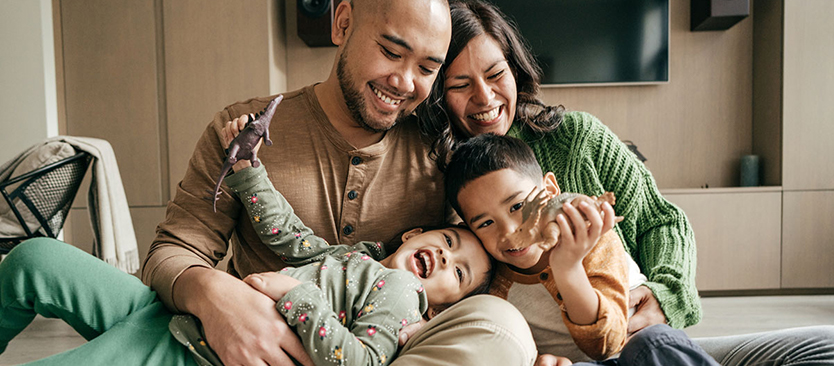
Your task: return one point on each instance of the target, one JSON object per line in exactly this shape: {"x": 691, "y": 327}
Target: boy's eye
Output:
{"x": 517, "y": 206}
{"x": 460, "y": 274}
{"x": 485, "y": 224}
{"x": 448, "y": 240}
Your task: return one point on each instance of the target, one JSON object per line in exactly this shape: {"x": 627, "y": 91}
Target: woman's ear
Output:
{"x": 412, "y": 233}
{"x": 342, "y": 19}
{"x": 550, "y": 184}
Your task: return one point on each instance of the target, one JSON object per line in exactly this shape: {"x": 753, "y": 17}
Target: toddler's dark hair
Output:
{"x": 484, "y": 154}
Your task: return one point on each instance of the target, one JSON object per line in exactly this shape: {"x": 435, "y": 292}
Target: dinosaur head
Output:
{"x": 266, "y": 116}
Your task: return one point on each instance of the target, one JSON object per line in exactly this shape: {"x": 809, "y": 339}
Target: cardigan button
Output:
{"x": 543, "y": 276}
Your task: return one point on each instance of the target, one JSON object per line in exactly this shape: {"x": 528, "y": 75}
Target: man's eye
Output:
{"x": 517, "y": 206}
{"x": 485, "y": 224}
{"x": 448, "y": 240}
{"x": 427, "y": 71}
{"x": 390, "y": 54}
{"x": 460, "y": 274}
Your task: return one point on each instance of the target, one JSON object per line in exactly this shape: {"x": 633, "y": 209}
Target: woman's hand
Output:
{"x": 231, "y": 131}
{"x": 648, "y": 310}
{"x": 551, "y": 360}
{"x": 272, "y": 284}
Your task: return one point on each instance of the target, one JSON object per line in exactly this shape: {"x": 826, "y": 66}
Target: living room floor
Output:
{"x": 722, "y": 316}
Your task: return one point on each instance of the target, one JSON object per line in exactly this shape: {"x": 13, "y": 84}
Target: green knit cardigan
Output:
{"x": 588, "y": 158}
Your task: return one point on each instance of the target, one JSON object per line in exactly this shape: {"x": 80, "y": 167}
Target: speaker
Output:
{"x": 315, "y": 20}
{"x": 707, "y": 15}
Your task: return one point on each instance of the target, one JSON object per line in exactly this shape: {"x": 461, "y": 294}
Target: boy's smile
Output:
{"x": 491, "y": 206}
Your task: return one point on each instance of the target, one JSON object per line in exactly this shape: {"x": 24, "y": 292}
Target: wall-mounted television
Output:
{"x": 587, "y": 42}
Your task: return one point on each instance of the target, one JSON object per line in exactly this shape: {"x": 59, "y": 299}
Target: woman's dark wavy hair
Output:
{"x": 471, "y": 18}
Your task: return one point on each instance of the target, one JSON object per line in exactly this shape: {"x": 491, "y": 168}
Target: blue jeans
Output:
{"x": 659, "y": 345}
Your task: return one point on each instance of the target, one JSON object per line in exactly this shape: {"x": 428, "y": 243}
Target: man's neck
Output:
{"x": 333, "y": 103}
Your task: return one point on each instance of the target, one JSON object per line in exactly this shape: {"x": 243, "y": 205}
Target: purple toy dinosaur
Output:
{"x": 242, "y": 147}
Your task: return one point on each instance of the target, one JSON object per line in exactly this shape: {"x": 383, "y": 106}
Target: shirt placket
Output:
{"x": 355, "y": 189}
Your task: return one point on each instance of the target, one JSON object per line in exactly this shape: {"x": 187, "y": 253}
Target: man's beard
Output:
{"x": 356, "y": 102}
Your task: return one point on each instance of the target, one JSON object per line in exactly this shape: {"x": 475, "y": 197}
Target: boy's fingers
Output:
{"x": 566, "y": 236}
{"x": 577, "y": 221}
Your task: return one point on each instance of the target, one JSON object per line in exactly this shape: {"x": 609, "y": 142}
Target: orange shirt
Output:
{"x": 607, "y": 269}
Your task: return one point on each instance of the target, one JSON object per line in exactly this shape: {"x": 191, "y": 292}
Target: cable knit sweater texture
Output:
{"x": 588, "y": 158}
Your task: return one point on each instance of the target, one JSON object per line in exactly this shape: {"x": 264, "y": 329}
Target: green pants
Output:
{"x": 122, "y": 319}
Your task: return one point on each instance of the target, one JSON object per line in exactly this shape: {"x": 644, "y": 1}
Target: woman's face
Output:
{"x": 480, "y": 89}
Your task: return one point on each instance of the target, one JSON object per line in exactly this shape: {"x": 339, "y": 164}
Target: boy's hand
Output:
{"x": 231, "y": 131}
{"x": 272, "y": 284}
{"x": 580, "y": 229}
{"x": 551, "y": 360}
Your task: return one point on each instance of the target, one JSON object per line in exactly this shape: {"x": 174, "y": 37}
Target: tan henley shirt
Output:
{"x": 344, "y": 194}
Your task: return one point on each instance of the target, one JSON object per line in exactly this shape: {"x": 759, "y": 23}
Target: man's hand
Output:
{"x": 409, "y": 330}
{"x": 551, "y": 360}
{"x": 272, "y": 284}
{"x": 648, "y": 310}
{"x": 241, "y": 324}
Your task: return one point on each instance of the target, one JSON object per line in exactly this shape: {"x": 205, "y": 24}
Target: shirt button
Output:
{"x": 543, "y": 276}
{"x": 352, "y": 195}
{"x": 347, "y": 230}
{"x": 356, "y": 160}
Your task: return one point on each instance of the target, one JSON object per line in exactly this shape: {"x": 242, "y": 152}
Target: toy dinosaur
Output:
{"x": 243, "y": 146}
{"x": 539, "y": 212}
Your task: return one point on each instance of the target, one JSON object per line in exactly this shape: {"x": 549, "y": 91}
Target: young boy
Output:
{"x": 580, "y": 286}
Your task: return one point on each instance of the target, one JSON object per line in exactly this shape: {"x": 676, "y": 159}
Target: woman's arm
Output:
{"x": 657, "y": 233}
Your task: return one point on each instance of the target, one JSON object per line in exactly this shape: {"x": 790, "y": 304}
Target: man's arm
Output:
{"x": 191, "y": 241}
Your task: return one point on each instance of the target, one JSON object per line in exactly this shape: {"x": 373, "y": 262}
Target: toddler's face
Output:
{"x": 450, "y": 263}
{"x": 491, "y": 207}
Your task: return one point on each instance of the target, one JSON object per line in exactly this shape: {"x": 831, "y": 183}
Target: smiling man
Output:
{"x": 349, "y": 158}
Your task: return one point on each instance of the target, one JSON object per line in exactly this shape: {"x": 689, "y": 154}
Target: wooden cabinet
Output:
{"x": 737, "y": 231}
{"x": 808, "y": 240}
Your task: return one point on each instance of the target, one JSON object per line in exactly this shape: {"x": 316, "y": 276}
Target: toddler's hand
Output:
{"x": 272, "y": 284}
{"x": 580, "y": 229}
{"x": 231, "y": 131}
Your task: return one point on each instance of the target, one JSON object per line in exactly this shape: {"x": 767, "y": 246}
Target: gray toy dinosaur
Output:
{"x": 242, "y": 147}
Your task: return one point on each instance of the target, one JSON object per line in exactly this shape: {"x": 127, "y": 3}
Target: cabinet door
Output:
{"x": 737, "y": 235}
{"x": 808, "y": 240}
{"x": 808, "y": 124}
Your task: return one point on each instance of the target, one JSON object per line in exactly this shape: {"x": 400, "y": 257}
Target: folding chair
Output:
{"x": 41, "y": 199}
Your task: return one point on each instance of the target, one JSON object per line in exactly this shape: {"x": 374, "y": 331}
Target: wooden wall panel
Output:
{"x": 767, "y": 89}
{"x": 808, "y": 240}
{"x": 738, "y": 236}
{"x": 808, "y": 119}
{"x": 216, "y": 53}
{"x": 110, "y": 86}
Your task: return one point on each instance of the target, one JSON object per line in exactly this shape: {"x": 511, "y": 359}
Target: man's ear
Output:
{"x": 550, "y": 184}
{"x": 342, "y": 19}
{"x": 412, "y": 233}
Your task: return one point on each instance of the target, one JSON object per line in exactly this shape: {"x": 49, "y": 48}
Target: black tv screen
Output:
{"x": 595, "y": 41}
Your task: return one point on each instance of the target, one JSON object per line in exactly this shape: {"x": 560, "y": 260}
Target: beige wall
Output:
{"x": 27, "y": 75}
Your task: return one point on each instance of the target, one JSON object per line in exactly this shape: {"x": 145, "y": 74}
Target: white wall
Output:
{"x": 27, "y": 75}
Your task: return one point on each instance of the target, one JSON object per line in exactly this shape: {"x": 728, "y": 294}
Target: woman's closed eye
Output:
{"x": 496, "y": 75}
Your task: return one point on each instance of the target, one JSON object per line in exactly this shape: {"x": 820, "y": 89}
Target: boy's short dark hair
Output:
{"x": 484, "y": 154}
